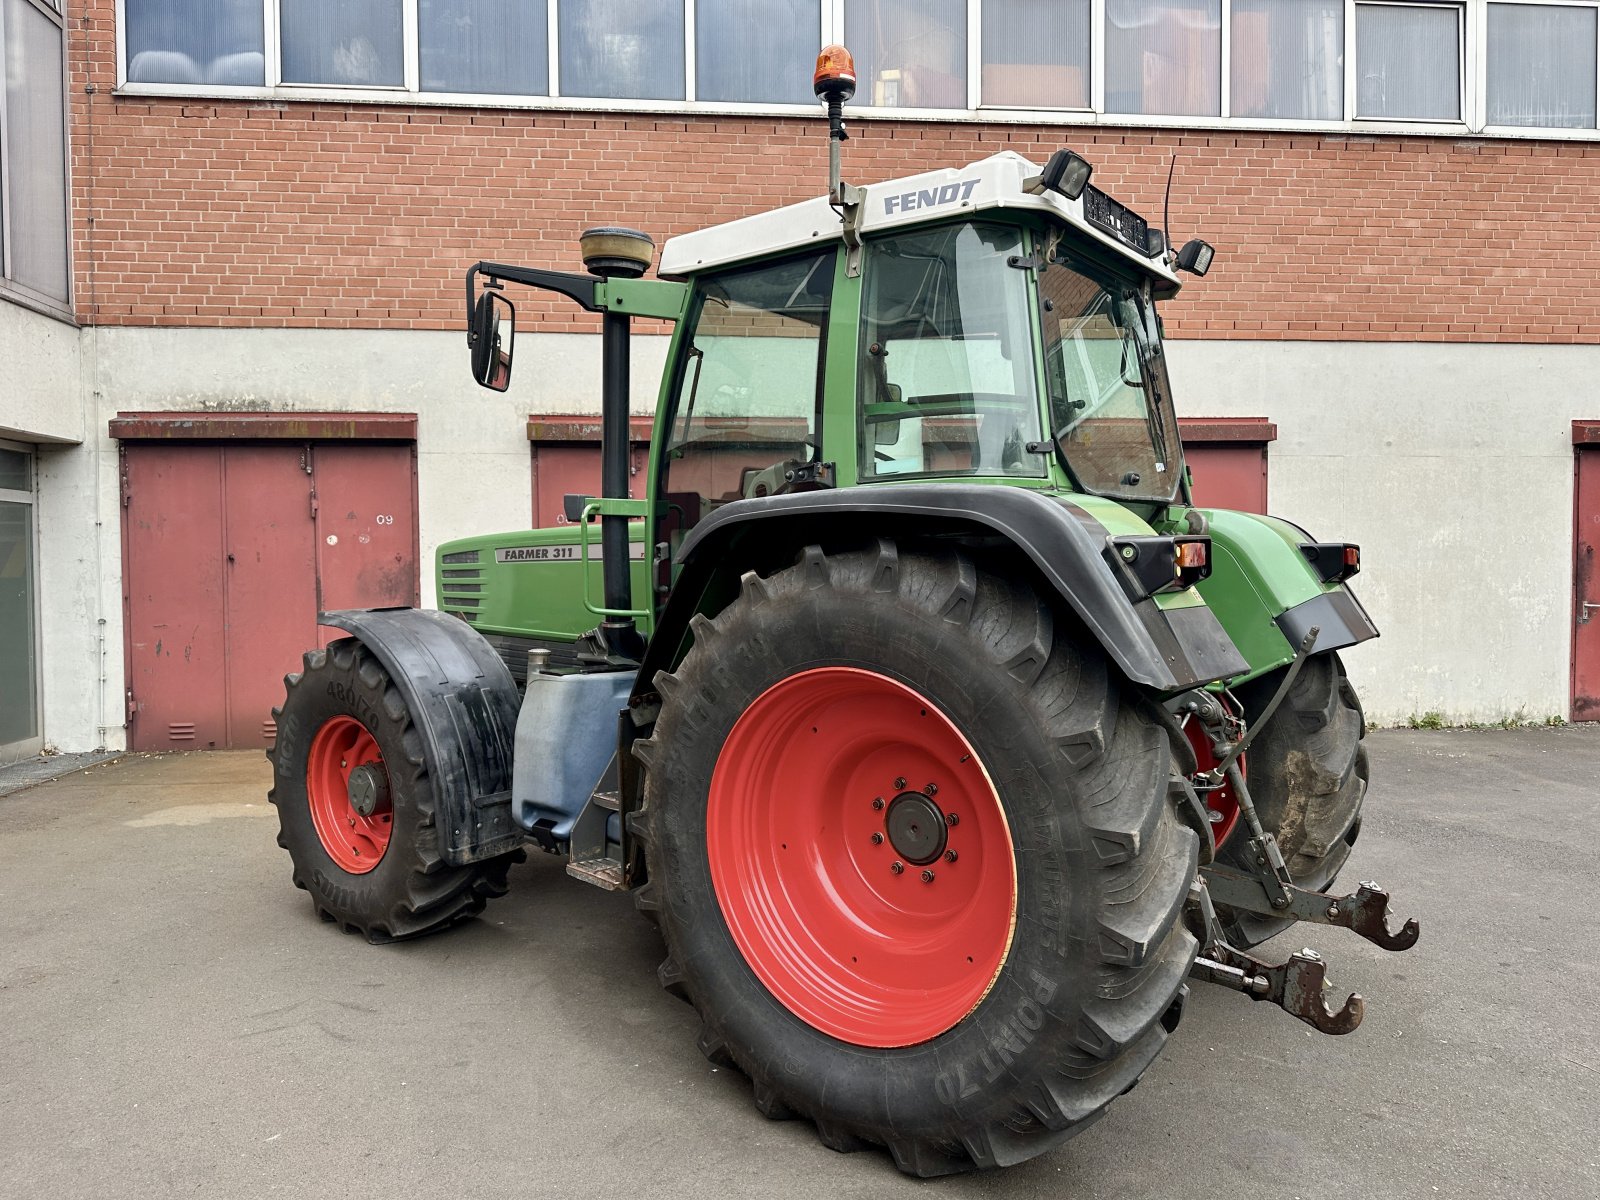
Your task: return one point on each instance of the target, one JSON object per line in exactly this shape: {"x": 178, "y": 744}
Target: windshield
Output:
{"x": 1110, "y": 405}
{"x": 947, "y": 381}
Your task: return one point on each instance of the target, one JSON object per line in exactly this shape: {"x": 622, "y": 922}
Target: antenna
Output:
{"x": 1166, "y": 205}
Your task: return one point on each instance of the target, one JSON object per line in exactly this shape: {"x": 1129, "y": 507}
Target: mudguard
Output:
{"x": 1165, "y": 649}
{"x": 464, "y": 705}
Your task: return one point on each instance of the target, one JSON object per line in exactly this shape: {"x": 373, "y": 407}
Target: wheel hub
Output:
{"x": 916, "y": 828}
{"x": 368, "y": 789}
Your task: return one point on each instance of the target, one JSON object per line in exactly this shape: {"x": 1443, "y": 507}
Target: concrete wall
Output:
{"x": 1452, "y": 465}
{"x": 39, "y": 376}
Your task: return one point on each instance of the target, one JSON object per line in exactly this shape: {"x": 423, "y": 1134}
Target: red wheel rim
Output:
{"x": 355, "y": 841}
{"x": 817, "y": 766}
{"x": 1222, "y": 806}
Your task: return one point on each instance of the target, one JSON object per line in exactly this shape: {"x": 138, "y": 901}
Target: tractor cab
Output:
{"x": 971, "y": 323}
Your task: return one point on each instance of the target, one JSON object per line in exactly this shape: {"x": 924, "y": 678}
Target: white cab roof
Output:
{"x": 994, "y": 182}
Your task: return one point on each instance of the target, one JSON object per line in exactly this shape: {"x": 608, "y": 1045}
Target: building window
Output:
{"x": 1164, "y": 57}
{"x": 33, "y": 151}
{"x": 492, "y": 47}
{"x": 195, "y": 41}
{"x": 1287, "y": 59}
{"x": 1036, "y": 53}
{"x": 621, "y": 49}
{"x": 351, "y": 43}
{"x": 1491, "y": 65}
{"x": 755, "y": 51}
{"x": 1541, "y": 68}
{"x": 1408, "y": 61}
{"x": 909, "y": 53}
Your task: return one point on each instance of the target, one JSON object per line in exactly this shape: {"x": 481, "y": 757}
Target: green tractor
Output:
{"x": 943, "y": 738}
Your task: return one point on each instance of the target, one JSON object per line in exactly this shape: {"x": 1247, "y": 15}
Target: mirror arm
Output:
{"x": 575, "y": 287}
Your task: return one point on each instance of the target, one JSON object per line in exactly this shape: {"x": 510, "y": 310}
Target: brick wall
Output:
{"x": 323, "y": 215}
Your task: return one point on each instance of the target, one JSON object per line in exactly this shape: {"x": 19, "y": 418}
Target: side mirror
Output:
{"x": 1195, "y": 257}
{"x": 493, "y": 331}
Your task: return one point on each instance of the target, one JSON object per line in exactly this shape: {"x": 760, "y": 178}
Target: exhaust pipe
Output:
{"x": 612, "y": 252}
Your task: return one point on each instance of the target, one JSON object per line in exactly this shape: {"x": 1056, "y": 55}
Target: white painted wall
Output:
{"x": 1450, "y": 464}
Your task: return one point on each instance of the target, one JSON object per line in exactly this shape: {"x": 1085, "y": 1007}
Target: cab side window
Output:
{"x": 750, "y": 385}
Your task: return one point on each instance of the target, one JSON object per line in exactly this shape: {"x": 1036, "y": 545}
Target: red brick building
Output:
{"x": 266, "y": 207}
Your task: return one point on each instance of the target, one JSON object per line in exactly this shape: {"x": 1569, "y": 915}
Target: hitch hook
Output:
{"x": 1296, "y": 986}
{"x": 1367, "y": 913}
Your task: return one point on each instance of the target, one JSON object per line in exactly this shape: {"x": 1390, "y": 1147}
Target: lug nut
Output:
{"x": 878, "y": 803}
{"x": 927, "y": 877}
{"x": 877, "y": 839}
{"x": 949, "y": 856}
{"x": 951, "y": 819}
{"x": 899, "y": 783}
{"x": 931, "y": 790}
{"x": 896, "y": 867}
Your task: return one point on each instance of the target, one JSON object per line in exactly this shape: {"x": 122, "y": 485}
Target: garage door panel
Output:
{"x": 270, "y": 590}
{"x": 366, "y": 537}
{"x": 173, "y": 585}
{"x": 1226, "y": 476}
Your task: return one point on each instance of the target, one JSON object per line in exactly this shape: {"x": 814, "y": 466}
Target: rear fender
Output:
{"x": 463, "y": 703}
{"x": 1166, "y": 650}
{"x": 1267, "y": 595}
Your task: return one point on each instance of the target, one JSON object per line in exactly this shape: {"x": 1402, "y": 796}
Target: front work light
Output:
{"x": 835, "y": 78}
{"x": 1195, "y": 257}
{"x": 1066, "y": 174}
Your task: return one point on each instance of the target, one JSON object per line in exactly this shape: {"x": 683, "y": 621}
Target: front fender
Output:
{"x": 1166, "y": 649}
{"x": 463, "y": 702}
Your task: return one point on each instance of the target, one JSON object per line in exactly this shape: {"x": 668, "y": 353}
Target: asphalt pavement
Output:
{"x": 174, "y": 1020}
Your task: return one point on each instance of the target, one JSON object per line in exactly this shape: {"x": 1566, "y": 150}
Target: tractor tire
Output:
{"x": 909, "y": 844}
{"x": 379, "y": 874}
{"x": 1308, "y": 778}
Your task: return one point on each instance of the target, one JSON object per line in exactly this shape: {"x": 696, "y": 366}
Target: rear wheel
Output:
{"x": 1308, "y": 779}
{"x": 356, "y": 808}
{"x": 913, "y": 860}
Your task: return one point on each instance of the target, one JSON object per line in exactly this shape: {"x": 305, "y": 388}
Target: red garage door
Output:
{"x": 230, "y": 549}
{"x": 1227, "y": 459}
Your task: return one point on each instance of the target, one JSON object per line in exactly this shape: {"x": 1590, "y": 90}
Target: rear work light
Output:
{"x": 1148, "y": 565}
{"x": 1334, "y": 562}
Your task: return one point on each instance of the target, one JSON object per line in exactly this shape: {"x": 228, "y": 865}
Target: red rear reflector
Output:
{"x": 1191, "y": 555}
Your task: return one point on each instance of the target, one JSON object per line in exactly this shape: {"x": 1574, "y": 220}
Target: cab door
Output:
{"x": 746, "y": 405}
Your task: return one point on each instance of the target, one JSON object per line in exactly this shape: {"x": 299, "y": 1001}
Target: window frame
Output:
{"x": 1463, "y": 61}
{"x": 1481, "y": 81}
{"x": 1472, "y": 63}
{"x": 13, "y": 289}
{"x": 27, "y": 747}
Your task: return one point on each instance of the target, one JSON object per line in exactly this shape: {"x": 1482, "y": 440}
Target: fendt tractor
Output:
{"x": 942, "y": 736}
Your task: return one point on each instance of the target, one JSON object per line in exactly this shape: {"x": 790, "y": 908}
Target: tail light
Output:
{"x": 1152, "y": 564}
{"x": 1334, "y": 562}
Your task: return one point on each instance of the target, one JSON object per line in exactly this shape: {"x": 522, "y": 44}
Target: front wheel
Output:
{"x": 1308, "y": 779}
{"x": 909, "y": 845}
{"x": 356, "y": 806}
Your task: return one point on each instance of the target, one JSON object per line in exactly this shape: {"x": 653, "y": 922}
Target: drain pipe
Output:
{"x": 616, "y": 253}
